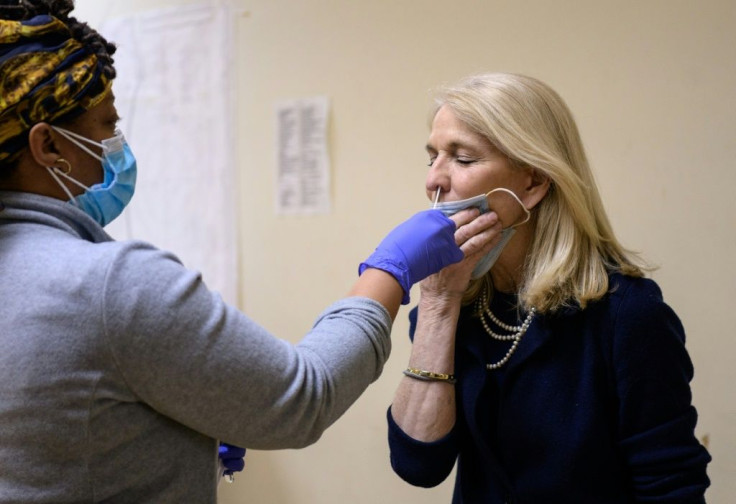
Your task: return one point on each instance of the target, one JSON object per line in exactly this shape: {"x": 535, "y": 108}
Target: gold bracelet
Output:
{"x": 420, "y": 374}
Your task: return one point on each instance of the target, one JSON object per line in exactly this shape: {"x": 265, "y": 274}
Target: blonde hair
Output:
{"x": 573, "y": 248}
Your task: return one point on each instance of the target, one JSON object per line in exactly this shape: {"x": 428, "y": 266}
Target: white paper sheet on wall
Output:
{"x": 303, "y": 166}
{"x": 174, "y": 93}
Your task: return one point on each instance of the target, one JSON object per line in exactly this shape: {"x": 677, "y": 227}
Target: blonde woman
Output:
{"x": 550, "y": 368}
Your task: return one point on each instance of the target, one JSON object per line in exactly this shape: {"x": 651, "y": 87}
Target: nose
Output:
{"x": 438, "y": 177}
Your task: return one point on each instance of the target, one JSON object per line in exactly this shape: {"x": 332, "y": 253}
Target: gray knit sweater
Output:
{"x": 120, "y": 369}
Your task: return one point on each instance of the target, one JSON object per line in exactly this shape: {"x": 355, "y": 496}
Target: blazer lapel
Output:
{"x": 476, "y": 375}
{"x": 537, "y": 336}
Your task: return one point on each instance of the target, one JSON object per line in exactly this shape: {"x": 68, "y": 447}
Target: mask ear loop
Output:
{"x": 526, "y": 210}
{"x": 55, "y": 172}
{"x": 51, "y": 170}
{"x": 77, "y": 139}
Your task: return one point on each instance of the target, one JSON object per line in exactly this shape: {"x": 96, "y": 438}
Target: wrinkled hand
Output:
{"x": 476, "y": 236}
{"x": 415, "y": 249}
{"x": 232, "y": 458}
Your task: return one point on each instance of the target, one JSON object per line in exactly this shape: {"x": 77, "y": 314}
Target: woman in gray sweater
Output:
{"x": 120, "y": 370}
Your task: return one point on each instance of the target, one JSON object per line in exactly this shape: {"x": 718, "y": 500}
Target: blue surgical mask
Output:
{"x": 481, "y": 203}
{"x": 104, "y": 201}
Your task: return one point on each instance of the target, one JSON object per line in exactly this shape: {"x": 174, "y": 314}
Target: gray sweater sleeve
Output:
{"x": 179, "y": 348}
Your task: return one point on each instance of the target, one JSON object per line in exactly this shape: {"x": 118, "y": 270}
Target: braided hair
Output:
{"x": 70, "y": 55}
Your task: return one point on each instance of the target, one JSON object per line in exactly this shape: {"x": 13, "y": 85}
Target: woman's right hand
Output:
{"x": 426, "y": 410}
{"x": 476, "y": 235}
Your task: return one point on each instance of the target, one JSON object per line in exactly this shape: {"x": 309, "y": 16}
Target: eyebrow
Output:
{"x": 453, "y": 146}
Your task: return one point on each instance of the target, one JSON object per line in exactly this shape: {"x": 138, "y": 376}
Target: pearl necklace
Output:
{"x": 518, "y": 331}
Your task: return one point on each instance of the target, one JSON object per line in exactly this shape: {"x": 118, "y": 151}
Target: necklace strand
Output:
{"x": 518, "y": 331}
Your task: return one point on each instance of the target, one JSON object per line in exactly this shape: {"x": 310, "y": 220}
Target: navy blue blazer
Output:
{"x": 594, "y": 407}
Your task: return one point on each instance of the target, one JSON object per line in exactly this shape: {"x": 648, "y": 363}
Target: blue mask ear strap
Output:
{"x": 75, "y": 139}
{"x": 55, "y": 172}
{"x": 512, "y": 193}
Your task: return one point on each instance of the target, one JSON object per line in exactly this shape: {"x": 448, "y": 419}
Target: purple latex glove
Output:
{"x": 415, "y": 249}
{"x": 232, "y": 458}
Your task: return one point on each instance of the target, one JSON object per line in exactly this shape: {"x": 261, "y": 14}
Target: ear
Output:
{"x": 43, "y": 145}
{"x": 536, "y": 187}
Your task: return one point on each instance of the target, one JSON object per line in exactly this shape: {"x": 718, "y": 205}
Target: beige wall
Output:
{"x": 651, "y": 83}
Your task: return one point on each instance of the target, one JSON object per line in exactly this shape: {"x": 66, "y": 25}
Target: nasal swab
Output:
{"x": 437, "y": 197}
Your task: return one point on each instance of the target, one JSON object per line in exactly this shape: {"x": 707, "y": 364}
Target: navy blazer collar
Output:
{"x": 537, "y": 336}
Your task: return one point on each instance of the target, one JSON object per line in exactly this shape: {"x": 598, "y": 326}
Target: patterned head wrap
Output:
{"x": 45, "y": 74}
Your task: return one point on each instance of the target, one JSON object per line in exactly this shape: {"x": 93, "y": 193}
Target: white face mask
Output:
{"x": 481, "y": 203}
